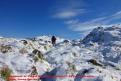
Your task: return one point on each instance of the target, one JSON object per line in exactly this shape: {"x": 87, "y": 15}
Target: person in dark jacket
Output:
{"x": 53, "y": 40}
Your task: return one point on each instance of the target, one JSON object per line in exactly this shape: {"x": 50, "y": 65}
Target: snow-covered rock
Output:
{"x": 96, "y": 58}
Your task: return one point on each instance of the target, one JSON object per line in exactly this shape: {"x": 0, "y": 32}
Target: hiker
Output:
{"x": 34, "y": 74}
{"x": 34, "y": 71}
{"x": 53, "y": 40}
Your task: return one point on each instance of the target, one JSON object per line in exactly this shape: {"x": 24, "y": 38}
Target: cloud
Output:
{"x": 117, "y": 15}
{"x": 75, "y": 25}
{"x": 71, "y": 11}
{"x": 66, "y": 9}
{"x": 65, "y": 14}
{"x": 71, "y": 22}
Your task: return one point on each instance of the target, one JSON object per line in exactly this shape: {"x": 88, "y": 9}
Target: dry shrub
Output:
{"x": 5, "y": 48}
{"x": 5, "y": 73}
{"x": 23, "y": 51}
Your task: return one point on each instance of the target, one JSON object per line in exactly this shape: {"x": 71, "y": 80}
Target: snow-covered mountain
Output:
{"x": 104, "y": 35}
{"x": 96, "y": 58}
{"x": 108, "y": 41}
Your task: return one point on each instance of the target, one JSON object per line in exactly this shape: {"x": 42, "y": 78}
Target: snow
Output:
{"x": 67, "y": 58}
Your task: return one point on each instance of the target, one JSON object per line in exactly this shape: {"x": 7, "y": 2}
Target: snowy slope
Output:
{"x": 109, "y": 42}
{"x": 98, "y": 55}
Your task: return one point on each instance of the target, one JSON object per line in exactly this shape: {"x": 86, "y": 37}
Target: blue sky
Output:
{"x": 65, "y": 18}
